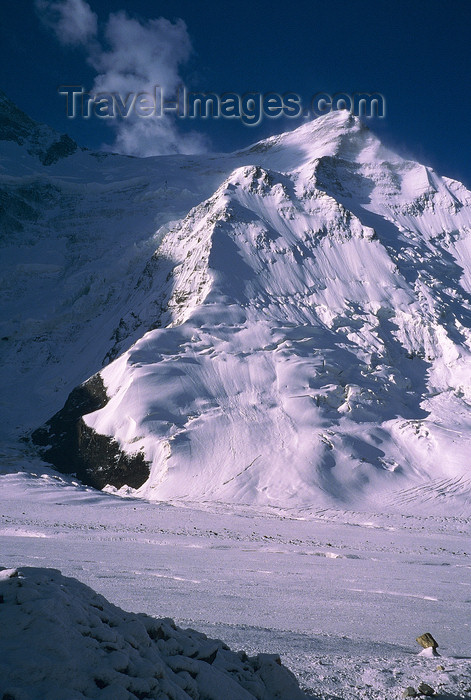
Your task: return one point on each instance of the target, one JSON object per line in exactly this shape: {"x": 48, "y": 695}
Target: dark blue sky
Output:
{"x": 417, "y": 54}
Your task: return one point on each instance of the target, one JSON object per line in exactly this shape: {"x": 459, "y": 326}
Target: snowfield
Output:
{"x": 339, "y": 595}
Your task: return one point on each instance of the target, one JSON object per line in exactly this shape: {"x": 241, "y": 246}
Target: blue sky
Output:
{"x": 417, "y": 54}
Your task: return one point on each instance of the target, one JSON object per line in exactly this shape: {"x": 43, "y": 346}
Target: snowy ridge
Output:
{"x": 288, "y": 324}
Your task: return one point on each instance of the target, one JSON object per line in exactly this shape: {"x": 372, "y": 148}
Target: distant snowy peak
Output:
{"x": 335, "y": 134}
{"x": 38, "y": 139}
{"x": 338, "y": 152}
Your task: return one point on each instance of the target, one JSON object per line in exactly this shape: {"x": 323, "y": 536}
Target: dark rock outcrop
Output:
{"x": 62, "y": 148}
{"x": 72, "y": 447}
{"x": 40, "y": 140}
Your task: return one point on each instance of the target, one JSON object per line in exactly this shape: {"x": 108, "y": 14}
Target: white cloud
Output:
{"x": 72, "y": 21}
{"x": 144, "y": 55}
{"x": 132, "y": 57}
{"x": 159, "y": 136}
{"x": 139, "y": 57}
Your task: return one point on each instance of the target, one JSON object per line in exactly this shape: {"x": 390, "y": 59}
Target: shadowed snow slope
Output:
{"x": 308, "y": 320}
{"x": 61, "y": 640}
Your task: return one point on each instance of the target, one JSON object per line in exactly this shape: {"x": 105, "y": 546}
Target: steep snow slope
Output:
{"x": 307, "y": 320}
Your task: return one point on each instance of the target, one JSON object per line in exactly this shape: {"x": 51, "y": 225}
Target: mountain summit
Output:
{"x": 286, "y": 325}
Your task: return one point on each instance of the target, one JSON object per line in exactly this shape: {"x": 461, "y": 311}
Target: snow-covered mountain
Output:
{"x": 288, "y": 324}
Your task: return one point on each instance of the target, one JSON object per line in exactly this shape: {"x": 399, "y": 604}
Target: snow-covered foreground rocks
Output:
{"x": 59, "y": 640}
